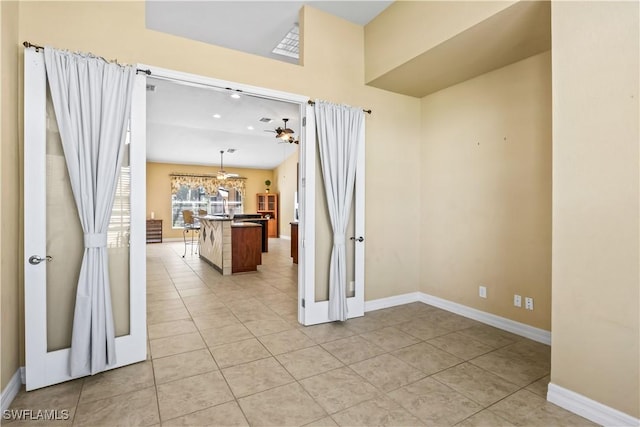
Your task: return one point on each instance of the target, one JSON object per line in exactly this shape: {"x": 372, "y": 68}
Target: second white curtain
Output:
{"x": 340, "y": 131}
{"x": 92, "y": 102}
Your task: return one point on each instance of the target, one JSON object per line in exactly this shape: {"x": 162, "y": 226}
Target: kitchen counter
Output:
{"x": 230, "y": 246}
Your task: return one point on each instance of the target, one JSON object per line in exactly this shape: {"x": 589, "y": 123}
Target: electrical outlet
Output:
{"x": 517, "y": 300}
{"x": 352, "y": 286}
{"x": 482, "y": 291}
{"x": 528, "y": 303}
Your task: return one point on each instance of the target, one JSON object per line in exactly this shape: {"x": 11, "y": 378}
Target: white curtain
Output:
{"x": 92, "y": 101}
{"x": 340, "y": 131}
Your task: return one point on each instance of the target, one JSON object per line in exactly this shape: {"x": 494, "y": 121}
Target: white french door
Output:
{"x": 313, "y": 305}
{"x": 53, "y": 238}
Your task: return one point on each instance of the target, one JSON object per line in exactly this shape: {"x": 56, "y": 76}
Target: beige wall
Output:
{"x": 486, "y": 191}
{"x": 595, "y": 350}
{"x": 159, "y": 189}
{"x": 285, "y": 184}
{"x": 10, "y": 208}
{"x": 333, "y": 70}
{"x": 406, "y": 29}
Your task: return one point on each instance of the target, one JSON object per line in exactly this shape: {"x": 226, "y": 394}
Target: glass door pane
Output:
{"x": 65, "y": 243}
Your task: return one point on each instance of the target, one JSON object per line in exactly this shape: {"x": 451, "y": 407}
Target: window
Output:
{"x": 196, "y": 198}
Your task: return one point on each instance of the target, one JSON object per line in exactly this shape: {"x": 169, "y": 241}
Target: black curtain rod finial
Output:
{"x": 35, "y": 46}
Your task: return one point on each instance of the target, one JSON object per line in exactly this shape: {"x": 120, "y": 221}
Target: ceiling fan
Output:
{"x": 221, "y": 173}
{"x": 284, "y": 133}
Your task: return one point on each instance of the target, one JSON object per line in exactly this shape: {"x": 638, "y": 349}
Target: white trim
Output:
{"x": 198, "y": 80}
{"x": 359, "y": 227}
{"x": 377, "y": 304}
{"x": 589, "y": 408}
{"x": 11, "y": 390}
{"x": 169, "y": 240}
{"x": 527, "y": 331}
{"x": 307, "y": 227}
{"x": 136, "y": 349}
{"x": 284, "y": 237}
{"x": 535, "y": 334}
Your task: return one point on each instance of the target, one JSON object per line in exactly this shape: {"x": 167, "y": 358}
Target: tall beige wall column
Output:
{"x": 596, "y": 215}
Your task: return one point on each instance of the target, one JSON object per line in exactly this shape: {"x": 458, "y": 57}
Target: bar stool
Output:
{"x": 193, "y": 227}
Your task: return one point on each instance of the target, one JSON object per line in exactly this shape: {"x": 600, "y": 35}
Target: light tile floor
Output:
{"x": 229, "y": 351}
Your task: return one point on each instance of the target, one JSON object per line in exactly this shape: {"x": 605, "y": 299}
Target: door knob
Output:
{"x": 359, "y": 239}
{"x": 35, "y": 259}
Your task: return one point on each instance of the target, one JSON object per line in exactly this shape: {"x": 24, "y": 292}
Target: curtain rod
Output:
{"x": 313, "y": 103}
{"x": 37, "y": 48}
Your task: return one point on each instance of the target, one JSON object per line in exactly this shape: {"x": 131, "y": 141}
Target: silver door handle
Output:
{"x": 359, "y": 239}
{"x": 35, "y": 259}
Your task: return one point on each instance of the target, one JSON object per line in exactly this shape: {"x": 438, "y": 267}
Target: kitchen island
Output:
{"x": 229, "y": 246}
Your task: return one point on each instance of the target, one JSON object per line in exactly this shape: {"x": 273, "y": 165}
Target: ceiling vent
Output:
{"x": 266, "y": 120}
{"x": 289, "y": 46}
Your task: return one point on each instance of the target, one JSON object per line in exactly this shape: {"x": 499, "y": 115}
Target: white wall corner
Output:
{"x": 589, "y": 408}
{"x": 527, "y": 331}
{"x": 378, "y": 304}
{"x": 11, "y": 390}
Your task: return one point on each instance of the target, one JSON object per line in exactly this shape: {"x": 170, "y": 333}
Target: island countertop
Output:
{"x": 244, "y": 224}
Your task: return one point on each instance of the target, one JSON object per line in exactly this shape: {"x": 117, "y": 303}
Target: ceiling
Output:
{"x": 249, "y": 26}
{"x": 181, "y": 128}
{"x": 515, "y": 33}
{"x": 180, "y": 124}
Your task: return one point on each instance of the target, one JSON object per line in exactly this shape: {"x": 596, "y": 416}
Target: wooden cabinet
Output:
{"x": 246, "y": 247}
{"x": 294, "y": 242}
{"x": 154, "y": 231}
{"x": 267, "y": 204}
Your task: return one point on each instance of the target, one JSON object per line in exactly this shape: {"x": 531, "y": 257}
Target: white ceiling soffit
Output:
{"x": 248, "y": 26}
{"x": 182, "y": 129}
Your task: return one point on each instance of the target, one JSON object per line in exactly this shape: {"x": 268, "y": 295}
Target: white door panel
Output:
{"x": 312, "y": 312}
{"x": 50, "y": 226}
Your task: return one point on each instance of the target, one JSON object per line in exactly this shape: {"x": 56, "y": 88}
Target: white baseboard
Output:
{"x": 283, "y": 237}
{"x": 527, "y": 331}
{"x": 172, "y": 239}
{"x": 536, "y": 334}
{"x": 11, "y": 390}
{"x": 589, "y": 408}
{"x": 378, "y": 304}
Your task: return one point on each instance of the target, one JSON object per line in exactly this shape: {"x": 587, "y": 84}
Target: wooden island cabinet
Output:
{"x": 230, "y": 246}
{"x": 246, "y": 246}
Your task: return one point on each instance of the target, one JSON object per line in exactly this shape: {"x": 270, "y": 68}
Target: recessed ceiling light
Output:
{"x": 216, "y": 116}
{"x": 250, "y": 127}
{"x": 235, "y": 96}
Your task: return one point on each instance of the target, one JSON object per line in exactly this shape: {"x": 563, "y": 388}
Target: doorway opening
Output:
{"x": 197, "y": 128}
